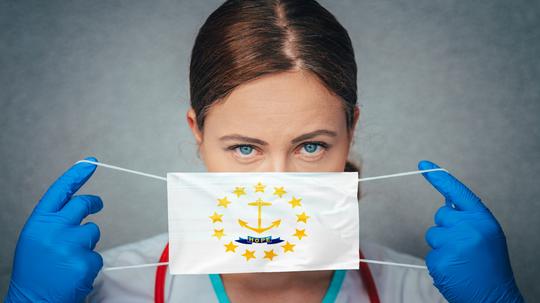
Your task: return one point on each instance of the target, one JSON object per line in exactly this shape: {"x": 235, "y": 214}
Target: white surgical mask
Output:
{"x": 262, "y": 221}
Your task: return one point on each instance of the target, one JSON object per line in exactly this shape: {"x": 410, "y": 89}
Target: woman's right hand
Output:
{"x": 54, "y": 258}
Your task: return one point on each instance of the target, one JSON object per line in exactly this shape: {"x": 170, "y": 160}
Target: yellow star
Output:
{"x": 223, "y": 202}
{"x": 300, "y": 233}
{"x": 288, "y": 247}
{"x": 230, "y": 247}
{"x": 279, "y": 191}
{"x": 295, "y": 202}
{"x": 238, "y": 191}
{"x": 269, "y": 254}
{"x": 259, "y": 187}
{"x": 249, "y": 254}
{"x": 216, "y": 217}
{"x": 218, "y": 233}
{"x": 302, "y": 217}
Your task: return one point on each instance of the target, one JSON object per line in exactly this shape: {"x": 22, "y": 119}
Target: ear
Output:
{"x": 191, "y": 117}
{"x": 356, "y": 117}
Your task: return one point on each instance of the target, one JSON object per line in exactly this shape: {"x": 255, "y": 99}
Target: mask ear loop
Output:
{"x": 359, "y": 180}
{"x": 123, "y": 169}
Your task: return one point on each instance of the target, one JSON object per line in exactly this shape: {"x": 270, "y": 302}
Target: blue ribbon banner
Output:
{"x": 258, "y": 240}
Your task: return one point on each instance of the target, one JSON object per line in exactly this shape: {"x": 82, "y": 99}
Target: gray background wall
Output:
{"x": 456, "y": 82}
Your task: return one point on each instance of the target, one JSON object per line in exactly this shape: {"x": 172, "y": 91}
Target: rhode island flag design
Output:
{"x": 241, "y": 222}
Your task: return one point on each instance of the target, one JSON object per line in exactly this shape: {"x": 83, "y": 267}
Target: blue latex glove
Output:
{"x": 54, "y": 258}
{"x": 469, "y": 260}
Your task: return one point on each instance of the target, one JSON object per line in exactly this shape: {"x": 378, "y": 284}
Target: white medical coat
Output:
{"x": 394, "y": 284}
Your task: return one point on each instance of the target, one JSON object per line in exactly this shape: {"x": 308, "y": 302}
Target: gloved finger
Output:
{"x": 96, "y": 263}
{"x": 81, "y": 206}
{"x": 85, "y": 236}
{"x": 87, "y": 265}
{"x": 65, "y": 186}
{"x": 434, "y": 262}
{"x": 451, "y": 188}
{"x": 437, "y": 237}
{"x": 449, "y": 203}
{"x": 446, "y": 216}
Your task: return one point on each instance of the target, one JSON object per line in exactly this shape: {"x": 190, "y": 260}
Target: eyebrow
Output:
{"x": 293, "y": 141}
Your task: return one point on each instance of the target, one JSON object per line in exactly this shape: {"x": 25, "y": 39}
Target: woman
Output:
{"x": 273, "y": 88}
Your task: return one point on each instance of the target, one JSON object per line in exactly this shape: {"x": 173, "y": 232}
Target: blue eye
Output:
{"x": 245, "y": 149}
{"x": 311, "y": 147}
{"x": 242, "y": 150}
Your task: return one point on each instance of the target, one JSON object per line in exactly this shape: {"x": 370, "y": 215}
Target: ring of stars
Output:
{"x": 271, "y": 254}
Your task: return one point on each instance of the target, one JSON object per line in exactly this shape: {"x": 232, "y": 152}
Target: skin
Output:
{"x": 274, "y": 110}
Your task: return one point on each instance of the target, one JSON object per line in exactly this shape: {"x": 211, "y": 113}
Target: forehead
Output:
{"x": 277, "y": 105}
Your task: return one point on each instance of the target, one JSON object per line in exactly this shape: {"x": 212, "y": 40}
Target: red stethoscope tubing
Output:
{"x": 161, "y": 274}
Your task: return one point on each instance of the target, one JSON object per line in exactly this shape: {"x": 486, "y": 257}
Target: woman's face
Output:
{"x": 282, "y": 122}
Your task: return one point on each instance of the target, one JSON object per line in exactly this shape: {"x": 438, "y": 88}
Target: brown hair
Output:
{"x": 245, "y": 39}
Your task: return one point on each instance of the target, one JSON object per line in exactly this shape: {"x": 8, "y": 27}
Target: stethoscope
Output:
{"x": 161, "y": 275}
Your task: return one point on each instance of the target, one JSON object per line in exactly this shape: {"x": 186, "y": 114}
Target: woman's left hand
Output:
{"x": 469, "y": 257}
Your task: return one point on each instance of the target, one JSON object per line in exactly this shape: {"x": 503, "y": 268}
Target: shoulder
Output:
{"x": 129, "y": 285}
{"x": 144, "y": 251}
{"x": 137, "y": 284}
{"x": 393, "y": 283}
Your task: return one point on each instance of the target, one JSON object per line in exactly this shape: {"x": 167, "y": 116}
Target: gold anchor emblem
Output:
{"x": 259, "y": 203}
